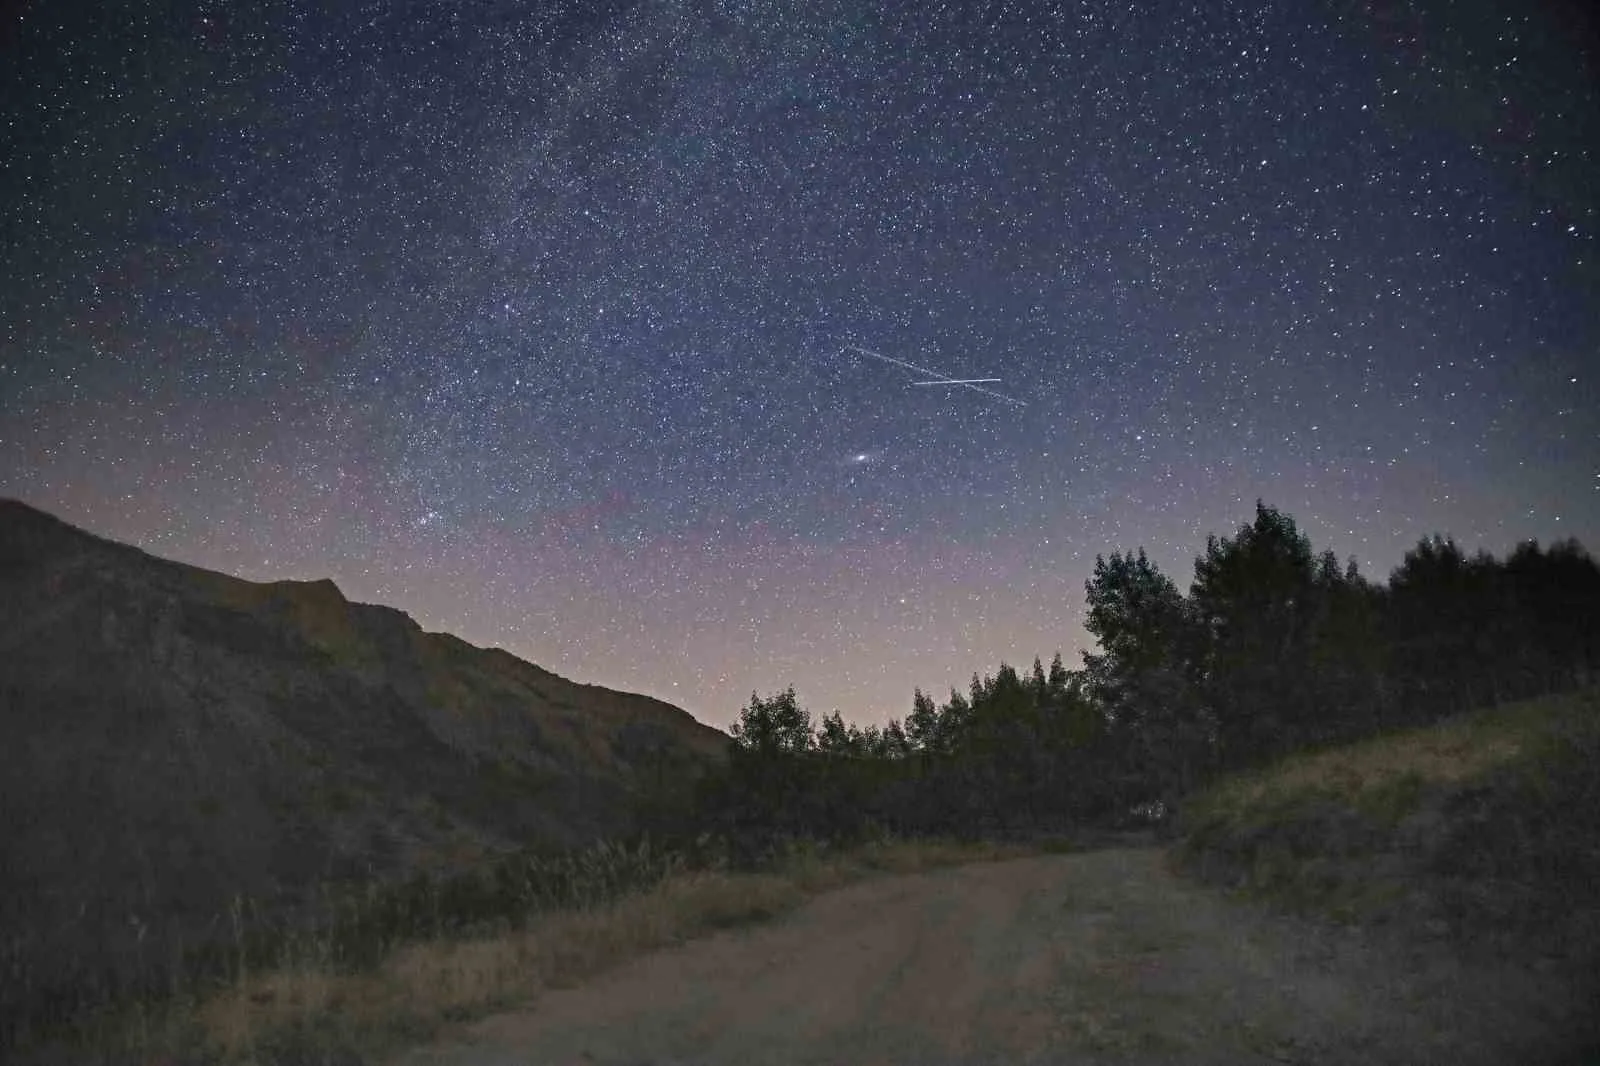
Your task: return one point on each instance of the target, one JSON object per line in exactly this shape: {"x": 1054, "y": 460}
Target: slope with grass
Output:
{"x": 1483, "y": 830}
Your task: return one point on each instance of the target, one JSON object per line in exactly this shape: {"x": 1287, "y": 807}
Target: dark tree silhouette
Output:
{"x": 1253, "y": 598}
{"x": 1438, "y": 603}
{"x": 922, "y": 724}
{"x": 774, "y": 725}
{"x": 1275, "y": 648}
{"x": 1162, "y": 736}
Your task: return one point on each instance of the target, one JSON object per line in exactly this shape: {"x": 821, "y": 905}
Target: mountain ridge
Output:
{"x": 179, "y": 738}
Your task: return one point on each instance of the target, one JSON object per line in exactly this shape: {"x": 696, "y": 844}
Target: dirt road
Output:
{"x": 1098, "y": 957}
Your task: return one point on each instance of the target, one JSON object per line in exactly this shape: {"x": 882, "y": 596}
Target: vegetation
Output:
{"x": 1484, "y": 828}
{"x": 393, "y": 965}
{"x": 1274, "y": 652}
{"x": 355, "y": 928}
{"x": 1275, "y": 649}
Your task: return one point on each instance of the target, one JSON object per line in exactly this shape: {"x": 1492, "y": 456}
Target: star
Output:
{"x": 547, "y": 326}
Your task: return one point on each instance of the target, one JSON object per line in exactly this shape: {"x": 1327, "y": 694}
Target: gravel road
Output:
{"x": 1100, "y": 957}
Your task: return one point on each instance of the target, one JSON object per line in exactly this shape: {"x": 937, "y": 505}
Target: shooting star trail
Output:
{"x": 942, "y": 379}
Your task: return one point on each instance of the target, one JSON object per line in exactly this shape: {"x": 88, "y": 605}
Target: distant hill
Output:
{"x": 175, "y": 739}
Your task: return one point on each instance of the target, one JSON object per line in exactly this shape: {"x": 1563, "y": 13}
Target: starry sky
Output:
{"x": 544, "y": 322}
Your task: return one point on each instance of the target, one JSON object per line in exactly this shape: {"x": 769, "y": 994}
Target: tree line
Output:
{"x": 1274, "y": 648}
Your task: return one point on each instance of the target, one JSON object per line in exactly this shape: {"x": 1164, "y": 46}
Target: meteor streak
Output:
{"x": 939, "y": 378}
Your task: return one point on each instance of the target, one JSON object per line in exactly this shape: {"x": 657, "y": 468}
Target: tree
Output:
{"x": 1059, "y": 680}
{"x": 1348, "y": 657}
{"x": 1139, "y": 620}
{"x": 834, "y": 737}
{"x": 1253, "y": 602}
{"x": 1038, "y": 684}
{"x": 773, "y": 726}
{"x": 1435, "y": 605}
{"x": 922, "y": 724}
{"x": 954, "y": 720}
{"x": 1557, "y": 597}
{"x": 769, "y": 786}
{"x": 1274, "y": 648}
{"x": 1158, "y": 735}
{"x": 896, "y": 744}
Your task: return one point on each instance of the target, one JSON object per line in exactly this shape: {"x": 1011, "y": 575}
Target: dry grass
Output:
{"x": 418, "y": 989}
{"x": 1482, "y": 828}
{"x": 1367, "y": 773}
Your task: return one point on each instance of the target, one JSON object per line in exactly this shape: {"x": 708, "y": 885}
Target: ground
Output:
{"x": 1097, "y": 957}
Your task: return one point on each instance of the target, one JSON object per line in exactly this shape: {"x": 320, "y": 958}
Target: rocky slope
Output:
{"x": 177, "y": 739}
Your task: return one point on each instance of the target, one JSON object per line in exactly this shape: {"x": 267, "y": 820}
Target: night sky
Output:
{"x": 542, "y": 321}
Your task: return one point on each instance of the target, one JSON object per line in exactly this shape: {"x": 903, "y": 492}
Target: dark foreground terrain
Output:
{"x": 1098, "y": 957}
{"x": 1426, "y": 896}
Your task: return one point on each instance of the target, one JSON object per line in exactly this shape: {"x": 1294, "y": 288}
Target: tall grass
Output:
{"x": 390, "y": 964}
{"x": 342, "y": 929}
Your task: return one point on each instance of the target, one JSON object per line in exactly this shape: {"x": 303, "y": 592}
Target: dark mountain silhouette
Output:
{"x": 172, "y": 739}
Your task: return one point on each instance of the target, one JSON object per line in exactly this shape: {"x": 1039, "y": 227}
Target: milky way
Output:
{"x": 536, "y": 320}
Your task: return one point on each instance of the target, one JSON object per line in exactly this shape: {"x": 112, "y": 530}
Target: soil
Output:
{"x": 1098, "y": 957}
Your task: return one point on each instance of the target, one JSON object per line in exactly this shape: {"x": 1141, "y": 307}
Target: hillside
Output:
{"x": 177, "y": 740}
{"x": 1482, "y": 831}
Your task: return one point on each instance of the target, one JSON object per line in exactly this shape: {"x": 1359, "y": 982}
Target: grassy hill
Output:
{"x": 1483, "y": 830}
